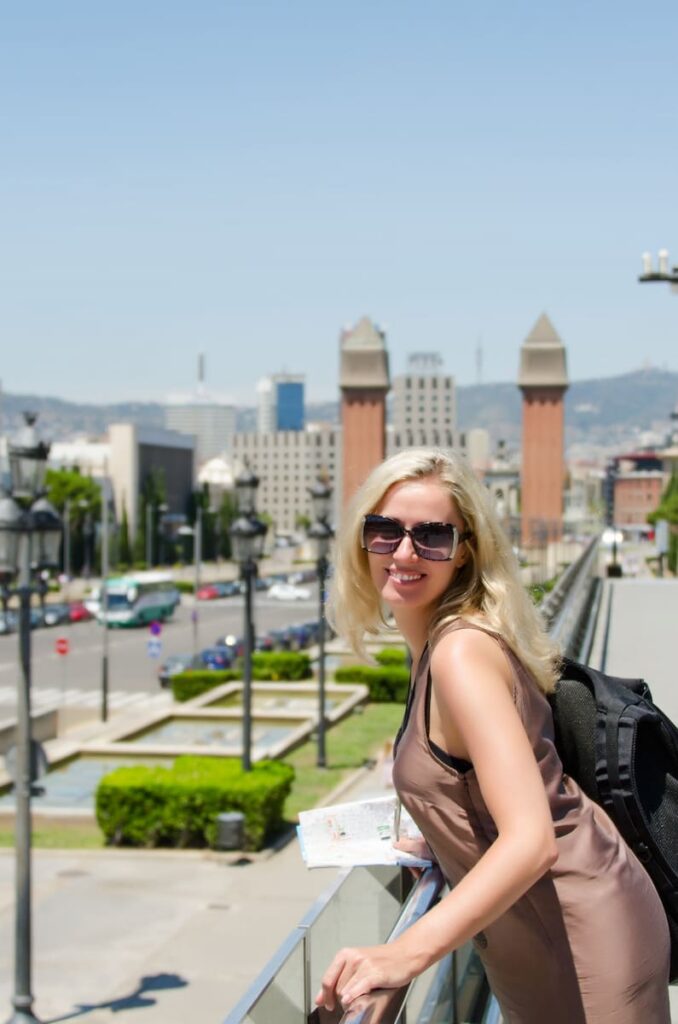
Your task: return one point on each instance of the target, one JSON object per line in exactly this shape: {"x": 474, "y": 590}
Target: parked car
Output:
{"x": 8, "y": 622}
{"x": 172, "y": 665}
{"x": 78, "y": 612}
{"x": 229, "y": 588}
{"x": 288, "y": 592}
{"x": 37, "y": 619}
{"x": 236, "y": 644}
{"x": 55, "y": 614}
{"x": 301, "y": 636}
{"x": 208, "y": 592}
{"x": 217, "y": 657}
{"x": 302, "y": 576}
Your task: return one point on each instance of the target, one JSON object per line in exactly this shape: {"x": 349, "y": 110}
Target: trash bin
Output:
{"x": 614, "y": 570}
{"x": 230, "y": 830}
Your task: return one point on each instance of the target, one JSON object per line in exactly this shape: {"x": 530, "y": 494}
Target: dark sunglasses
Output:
{"x": 437, "y": 542}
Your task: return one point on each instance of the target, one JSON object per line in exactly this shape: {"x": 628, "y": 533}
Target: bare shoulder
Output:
{"x": 470, "y": 658}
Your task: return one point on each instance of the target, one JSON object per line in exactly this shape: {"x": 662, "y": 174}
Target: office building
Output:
{"x": 203, "y": 416}
{"x": 424, "y": 410}
{"x": 280, "y": 403}
{"x": 211, "y": 423}
{"x": 288, "y": 463}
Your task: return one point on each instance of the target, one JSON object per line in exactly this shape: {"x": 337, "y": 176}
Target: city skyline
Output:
{"x": 245, "y": 181}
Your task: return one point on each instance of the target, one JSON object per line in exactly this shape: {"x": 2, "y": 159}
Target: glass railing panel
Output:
{"x": 279, "y": 993}
{"x": 361, "y": 913}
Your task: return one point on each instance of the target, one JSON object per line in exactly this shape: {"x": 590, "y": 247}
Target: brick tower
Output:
{"x": 364, "y": 382}
{"x": 543, "y": 382}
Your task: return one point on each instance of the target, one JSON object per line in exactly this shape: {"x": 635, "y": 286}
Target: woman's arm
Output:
{"x": 472, "y": 685}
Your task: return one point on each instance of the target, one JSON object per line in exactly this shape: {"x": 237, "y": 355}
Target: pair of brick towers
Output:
{"x": 364, "y": 381}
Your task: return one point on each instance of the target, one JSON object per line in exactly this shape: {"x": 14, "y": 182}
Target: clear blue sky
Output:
{"x": 244, "y": 178}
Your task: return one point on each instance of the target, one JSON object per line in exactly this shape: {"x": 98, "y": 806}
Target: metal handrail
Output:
{"x": 566, "y": 608}
{"x": 384, "y": 1005}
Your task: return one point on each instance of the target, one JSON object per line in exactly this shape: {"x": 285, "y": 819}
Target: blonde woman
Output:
{"x": 565, "y": 918}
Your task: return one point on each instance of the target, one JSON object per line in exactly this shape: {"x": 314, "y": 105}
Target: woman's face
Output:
{"x": 404, "y": 579}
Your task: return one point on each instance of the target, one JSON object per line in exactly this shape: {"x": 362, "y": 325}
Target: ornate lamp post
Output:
{"x": 247, "y": 539}
{"x": 163, "y": 509}
{"x": 662, "y": 273}
{"x": 30, "y": 538}
{"x": 321, "y": 533}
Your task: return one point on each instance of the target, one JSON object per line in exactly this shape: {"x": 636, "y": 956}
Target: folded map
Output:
{"x": 357, "y": 833}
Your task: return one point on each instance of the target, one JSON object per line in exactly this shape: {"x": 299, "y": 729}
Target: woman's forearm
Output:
{"x": 503, "y": 874}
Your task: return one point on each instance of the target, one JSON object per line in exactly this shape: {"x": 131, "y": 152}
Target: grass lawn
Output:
{"x": 348, "y": 745}
{"x": 60, "y": 837}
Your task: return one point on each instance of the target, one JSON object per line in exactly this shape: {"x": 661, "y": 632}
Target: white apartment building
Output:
{"x": 424, "y": 410}
{"x": 287, "y": 463}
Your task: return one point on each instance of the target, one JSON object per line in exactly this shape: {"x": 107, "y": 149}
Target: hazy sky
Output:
{"x": 244, "y": 178}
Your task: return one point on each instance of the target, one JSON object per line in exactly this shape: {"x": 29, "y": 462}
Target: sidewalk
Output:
{"x": 156, "y": 937}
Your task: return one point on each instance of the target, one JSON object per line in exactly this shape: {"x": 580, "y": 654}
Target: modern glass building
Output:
{"x": 280, "y": 400}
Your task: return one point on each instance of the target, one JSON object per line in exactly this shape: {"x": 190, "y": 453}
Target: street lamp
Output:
{"x": 247, "y": 540}
{"x": 161, "y": 526}
{"x": 30, "y": 537}
{"x": 87, "y": 533}
{"x": 662, "y": 273}
{"x": 321, "y": 534}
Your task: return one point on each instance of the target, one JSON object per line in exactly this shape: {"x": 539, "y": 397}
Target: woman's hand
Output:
{"x": 357, "y": 970}
{"x": 418, "y": 848}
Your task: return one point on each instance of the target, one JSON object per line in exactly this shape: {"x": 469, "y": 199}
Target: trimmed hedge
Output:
{"x": 281, "y": 665}
{"x": 387, "y": 683}
{"x": 392, "y": 656}
{"x": 178, "y": 806}
{"x": 186, "y": 685}
{"x": 184, "y": 586}
{"x": 273, "y": 666}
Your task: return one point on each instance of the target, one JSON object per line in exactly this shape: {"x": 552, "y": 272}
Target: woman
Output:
{"x": 566, "y": 920}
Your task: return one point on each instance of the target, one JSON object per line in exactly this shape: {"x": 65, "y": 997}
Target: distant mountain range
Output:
{"x": 604, "y": 411}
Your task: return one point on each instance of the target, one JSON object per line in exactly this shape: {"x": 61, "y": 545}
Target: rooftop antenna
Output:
{"x": 201, "y": 369}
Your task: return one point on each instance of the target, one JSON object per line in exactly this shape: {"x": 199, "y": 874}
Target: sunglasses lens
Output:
{"x": 381, "y": 536}
{"x": 435, "y": 541}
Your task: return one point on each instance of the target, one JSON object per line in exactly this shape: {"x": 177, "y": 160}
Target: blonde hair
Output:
{"x": 486, "y": 589}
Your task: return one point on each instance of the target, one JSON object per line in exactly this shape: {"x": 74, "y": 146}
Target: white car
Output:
{"x": 288, "y": 592}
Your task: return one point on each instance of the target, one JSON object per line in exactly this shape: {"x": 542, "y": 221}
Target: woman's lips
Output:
{"x": 405, "y": 577}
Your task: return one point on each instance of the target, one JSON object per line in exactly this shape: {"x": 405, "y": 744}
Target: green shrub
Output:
{"x": 186, "y": 685}
{"x": 266, "y": 665}
{"x": 387, "y": 683}
{"x": 392, "y": 656}
{"x": 178, "y": 806}
{"x": 184, "y": 586}
{"x": 277, "y": 665}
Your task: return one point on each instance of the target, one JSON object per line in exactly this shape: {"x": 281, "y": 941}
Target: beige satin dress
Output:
{"x": 589, "y": 942}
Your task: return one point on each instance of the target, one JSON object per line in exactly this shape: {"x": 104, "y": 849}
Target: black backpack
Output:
{"x": 623, "y": 751}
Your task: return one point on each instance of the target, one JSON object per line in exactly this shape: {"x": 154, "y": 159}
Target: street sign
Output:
{"x": 61, "y": 645}
{"x": 155, "y": 628}
{"x": 39, "y": 764}
{"x": 154, "y": 647}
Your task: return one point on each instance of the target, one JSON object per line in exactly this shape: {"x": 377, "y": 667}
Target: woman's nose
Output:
{"x": 406, "y": 548}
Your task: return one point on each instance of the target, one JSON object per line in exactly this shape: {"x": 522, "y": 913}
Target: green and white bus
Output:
{"x": 137, "y": 599}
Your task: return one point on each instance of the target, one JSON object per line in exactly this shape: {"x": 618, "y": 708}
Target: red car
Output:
{"x": 78, "y": 613}
{"x": 208, "y": 592}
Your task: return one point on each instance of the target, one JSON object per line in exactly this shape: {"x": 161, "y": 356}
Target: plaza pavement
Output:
{"x": 157, "y": 937}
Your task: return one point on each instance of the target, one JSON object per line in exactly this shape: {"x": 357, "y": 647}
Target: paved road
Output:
{"x": 642, "y": 634}
{"x": 75, "y": 679}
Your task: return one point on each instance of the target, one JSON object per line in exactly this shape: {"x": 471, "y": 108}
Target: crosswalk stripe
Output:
{"x": 84, "y": 698}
